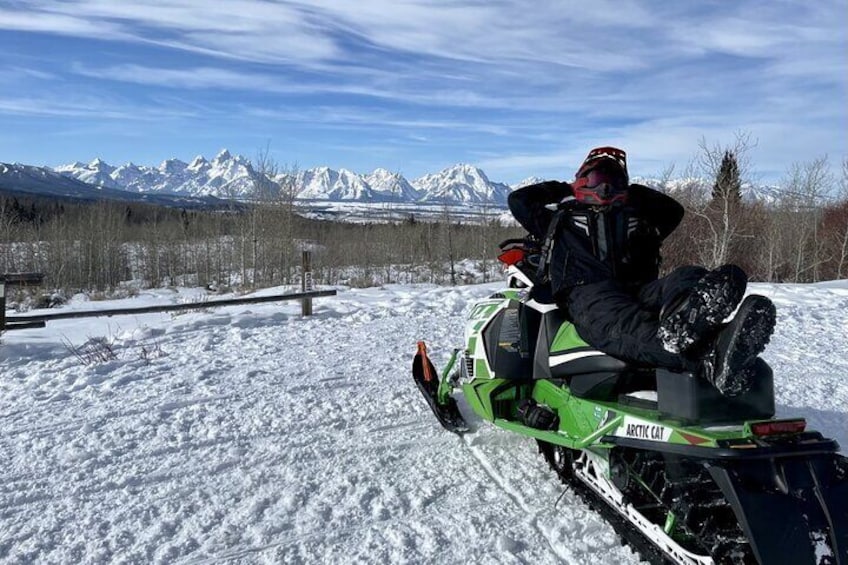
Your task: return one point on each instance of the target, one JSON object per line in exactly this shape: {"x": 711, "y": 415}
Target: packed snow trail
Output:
{"x": 250, "y": 434}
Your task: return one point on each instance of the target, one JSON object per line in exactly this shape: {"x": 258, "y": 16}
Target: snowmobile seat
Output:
{"x": 691, "y": 399}
{"x": 562, "y": 355}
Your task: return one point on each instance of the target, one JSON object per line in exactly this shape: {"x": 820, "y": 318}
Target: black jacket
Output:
{"x": 594, "y": 244}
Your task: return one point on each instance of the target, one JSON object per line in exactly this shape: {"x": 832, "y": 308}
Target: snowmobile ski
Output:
{"x": 445, "y": 409}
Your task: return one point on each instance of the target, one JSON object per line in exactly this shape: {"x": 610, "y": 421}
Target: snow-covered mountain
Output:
{"x": 461, "y": 183}
{"x": 226, "y": 176}
{"x": 392, "y": 186}
{"x": 527, "y": 182}
{"x": 765, "y": 194}
{"x": 325, "y": 183}
{"x": 42, "y": 181}
{"x": 233, "y": 176}
{"x": 97, "y": 173}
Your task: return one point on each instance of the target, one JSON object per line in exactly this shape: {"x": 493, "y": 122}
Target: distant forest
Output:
{"x": 100, "y": 246}
{"x": 802, "y": 237}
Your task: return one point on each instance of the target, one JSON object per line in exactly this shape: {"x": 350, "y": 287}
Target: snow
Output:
{"x": 249, "y": 434}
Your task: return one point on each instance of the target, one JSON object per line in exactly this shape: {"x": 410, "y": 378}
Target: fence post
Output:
{"x": 2, "y": 303}
{"x": 306, "y": 283}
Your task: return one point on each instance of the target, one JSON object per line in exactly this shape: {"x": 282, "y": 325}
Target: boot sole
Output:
{"x": 752, "y": 329}
{"x": 711, "y": 301}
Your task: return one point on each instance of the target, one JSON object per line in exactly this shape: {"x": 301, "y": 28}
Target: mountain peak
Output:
{"x": 172, "y": 166}
{"x": 527, "y": 182}
{"x": 465, "y": 167}
{"x": 99, "y": 164}
{"x": 223, "y": 155}
{"x": 461, "y": 183}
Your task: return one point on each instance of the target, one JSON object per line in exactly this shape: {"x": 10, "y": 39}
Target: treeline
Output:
{"x": 800, "y": 236}
{"x": 86, "y": 247}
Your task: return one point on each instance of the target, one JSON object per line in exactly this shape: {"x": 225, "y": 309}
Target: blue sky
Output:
{"x": 517, "y": 88}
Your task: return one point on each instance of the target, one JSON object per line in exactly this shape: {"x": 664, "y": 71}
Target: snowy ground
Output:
{"x": 248, "y": 434}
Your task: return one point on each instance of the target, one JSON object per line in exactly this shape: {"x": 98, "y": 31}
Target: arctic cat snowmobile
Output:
{"x": 684, "y": 474}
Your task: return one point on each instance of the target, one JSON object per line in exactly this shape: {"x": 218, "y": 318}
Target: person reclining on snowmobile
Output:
{"x": 601, "y": 257}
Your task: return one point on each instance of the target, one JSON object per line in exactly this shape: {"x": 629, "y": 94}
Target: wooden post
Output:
{"x": 306, "y": 283}
{"x": 2, "y": 303}
{"x": 15, "y": 279}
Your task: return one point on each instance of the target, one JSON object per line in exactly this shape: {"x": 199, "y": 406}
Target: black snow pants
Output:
{"x": 623, "y": 322}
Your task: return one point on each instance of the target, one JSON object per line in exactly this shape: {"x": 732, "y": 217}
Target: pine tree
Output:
{"x": 728, "y": 185}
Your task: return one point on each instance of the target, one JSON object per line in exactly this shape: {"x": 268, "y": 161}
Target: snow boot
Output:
{"x": 694, "y": 317}
{"x": 729, "y": 366}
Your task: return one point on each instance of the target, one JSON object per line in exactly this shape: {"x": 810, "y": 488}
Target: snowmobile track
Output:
{"x": 628, "y": 533}
{"x": 724, "y": 538}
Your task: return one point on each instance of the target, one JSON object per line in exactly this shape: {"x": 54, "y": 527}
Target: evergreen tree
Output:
{"x": 728, "y": 185}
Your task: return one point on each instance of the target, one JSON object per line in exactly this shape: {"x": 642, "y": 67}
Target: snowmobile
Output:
{"x": 682, "y": 473}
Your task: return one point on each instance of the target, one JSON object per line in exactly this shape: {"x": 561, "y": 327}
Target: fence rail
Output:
{"x": 167, "y": 307}
{"x": 39, "y": 321}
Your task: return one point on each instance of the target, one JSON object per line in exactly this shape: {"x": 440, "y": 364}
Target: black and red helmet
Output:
{"x": 602, "y": 179}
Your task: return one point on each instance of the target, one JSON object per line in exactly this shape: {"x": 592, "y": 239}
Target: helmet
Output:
{"x": 602, "y": 178}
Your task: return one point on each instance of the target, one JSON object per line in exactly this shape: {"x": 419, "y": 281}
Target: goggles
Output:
{"x": 604, "y": 185}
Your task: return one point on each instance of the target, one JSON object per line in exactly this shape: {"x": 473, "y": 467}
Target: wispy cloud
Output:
{"x": 463, "y": 74}
{"x": 86, "y": 107}
{"x": 241, "y": 29}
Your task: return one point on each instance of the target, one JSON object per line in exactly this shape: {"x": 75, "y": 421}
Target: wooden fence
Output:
{"x": 17, "y": 279}
{"x": 39, "y": 320}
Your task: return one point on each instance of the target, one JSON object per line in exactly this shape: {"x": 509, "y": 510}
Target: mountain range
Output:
{"x": 27, "y": 180}
{"x": 234, "y": 177}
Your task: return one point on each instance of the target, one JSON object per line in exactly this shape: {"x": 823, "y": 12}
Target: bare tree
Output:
{"x": 447, "y": 221}
{"x": 722, "y": 213}
{"x": 842, "y": 234}
{"x": 836, "y": 226}
{"x": 264, "y": 189}
{"x": 806, "y": 189}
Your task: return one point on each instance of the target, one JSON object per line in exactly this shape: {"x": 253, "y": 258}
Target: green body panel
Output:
{"x": 481, "y": 315}
{"x": 511, "y": 294}
{"x": 582, "y": 422}
{"x": 481, "y": 368}
{"x": 550, "y": 437}
{"x": 482, "y": 395}
{"x": 567, "y": 338}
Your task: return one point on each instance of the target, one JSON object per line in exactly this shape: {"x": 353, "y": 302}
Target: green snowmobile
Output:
{"x": 684, "y": 474}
